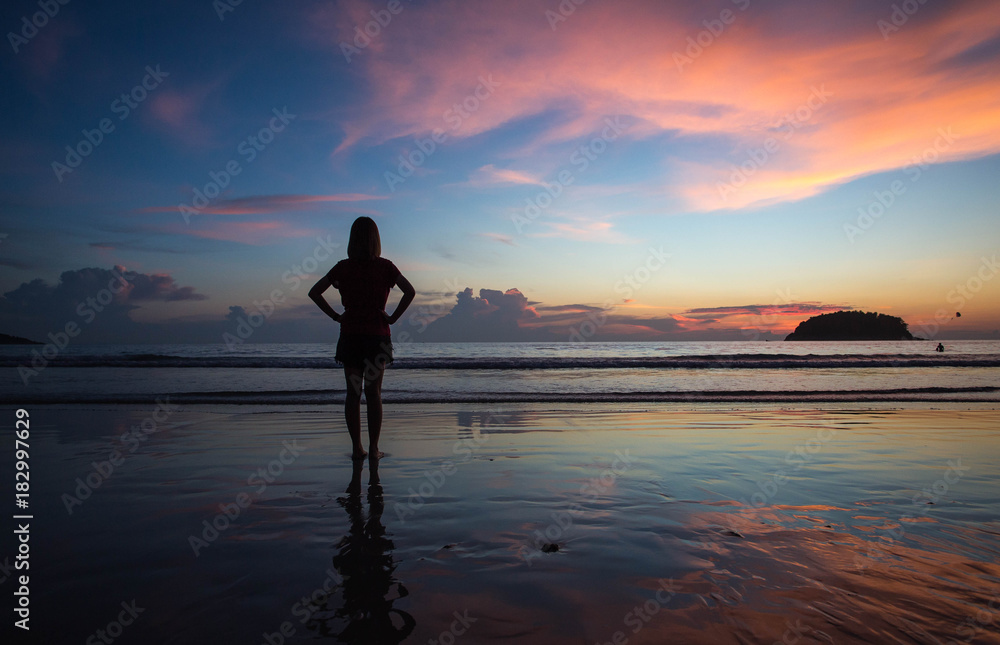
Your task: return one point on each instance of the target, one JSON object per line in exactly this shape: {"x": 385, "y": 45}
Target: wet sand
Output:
{"x": 590, "y": 524}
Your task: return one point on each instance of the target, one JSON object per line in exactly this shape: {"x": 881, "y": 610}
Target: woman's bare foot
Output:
{"x": 376, "y": 454}
{"x": 359, "y": 454}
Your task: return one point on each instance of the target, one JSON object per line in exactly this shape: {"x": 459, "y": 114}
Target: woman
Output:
{"x": 364, "y": 280}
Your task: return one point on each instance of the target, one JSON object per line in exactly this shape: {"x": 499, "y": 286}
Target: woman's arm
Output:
{"x": 408, "y": 293}
{"x": 316, "y": 293}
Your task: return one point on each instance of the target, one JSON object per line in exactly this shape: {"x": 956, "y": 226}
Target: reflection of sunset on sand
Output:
{"x": 672, "y": 524}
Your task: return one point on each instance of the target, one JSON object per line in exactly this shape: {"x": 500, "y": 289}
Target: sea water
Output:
{"x": 298, "y": 374}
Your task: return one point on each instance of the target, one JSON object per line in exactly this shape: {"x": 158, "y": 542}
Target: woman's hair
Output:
{"x": 364, "y": 243}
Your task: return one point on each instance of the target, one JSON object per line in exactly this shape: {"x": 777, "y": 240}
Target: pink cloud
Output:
{"x": 490, "y": 174}
{"x": 497, "y": 237}
{"x": 47, "y": 50}
{"x": 267, "y": 204}
{"x": 180, "y": 113}
{"x": 253, "y": 233}
{"x": 859, "y": 103}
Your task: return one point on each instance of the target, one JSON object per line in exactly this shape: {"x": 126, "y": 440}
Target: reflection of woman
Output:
{"x": 364, "y": 561}
{"x": 364, "y": 280}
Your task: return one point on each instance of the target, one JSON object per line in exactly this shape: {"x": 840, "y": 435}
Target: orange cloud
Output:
{"x": 490, "y": 174}
{"x": 837, "y": 99}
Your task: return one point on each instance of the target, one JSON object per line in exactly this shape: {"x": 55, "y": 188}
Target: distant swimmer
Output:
{"x": 939, "y": 348}
{"x": 958, "y": 314}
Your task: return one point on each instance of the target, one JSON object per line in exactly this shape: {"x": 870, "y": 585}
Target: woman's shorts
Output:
{"x": 362, "y": 351}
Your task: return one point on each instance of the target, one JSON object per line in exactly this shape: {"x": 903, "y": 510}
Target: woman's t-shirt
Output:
{"x": 364, "y": 287}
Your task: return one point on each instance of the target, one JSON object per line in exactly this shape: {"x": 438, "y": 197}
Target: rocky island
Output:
{"x": 6, "y": 339}
{"x": 852, "y": 325}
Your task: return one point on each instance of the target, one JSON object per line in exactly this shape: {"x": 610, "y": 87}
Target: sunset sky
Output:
{"x": 673, "y": 170}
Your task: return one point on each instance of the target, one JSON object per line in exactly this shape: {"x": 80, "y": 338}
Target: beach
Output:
{"x": 515, "y": 523}
{"x": 664, "y": 322}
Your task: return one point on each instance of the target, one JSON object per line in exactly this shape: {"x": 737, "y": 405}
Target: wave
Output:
{"x": 331, "y": 396}
{"x": 709, "y": 361}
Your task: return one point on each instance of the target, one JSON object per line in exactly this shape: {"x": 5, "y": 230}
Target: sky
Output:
{"x": 539, "y": 170}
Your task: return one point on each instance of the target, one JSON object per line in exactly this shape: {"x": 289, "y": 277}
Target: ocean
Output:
{"x": 711, "y": 372}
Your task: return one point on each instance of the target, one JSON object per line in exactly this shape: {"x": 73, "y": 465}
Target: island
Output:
{"x": 852, "y": 325}
{"x": 6, "y": 339}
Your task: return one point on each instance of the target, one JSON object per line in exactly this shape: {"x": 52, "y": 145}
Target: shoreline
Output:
{"x": 569, "y": 407}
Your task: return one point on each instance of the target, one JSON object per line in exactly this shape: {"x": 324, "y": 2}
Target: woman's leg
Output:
{"x": 352, "y": 408}
{"x": 373, "y": 401}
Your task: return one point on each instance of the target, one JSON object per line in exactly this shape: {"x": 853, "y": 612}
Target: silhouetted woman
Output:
{"x": 364, "y": 280}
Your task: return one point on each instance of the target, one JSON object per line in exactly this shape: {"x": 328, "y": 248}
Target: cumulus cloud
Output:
{"x": 100, "y": 296}
{"x": 492, "y": 316}
{"x": 499, "y": 316}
